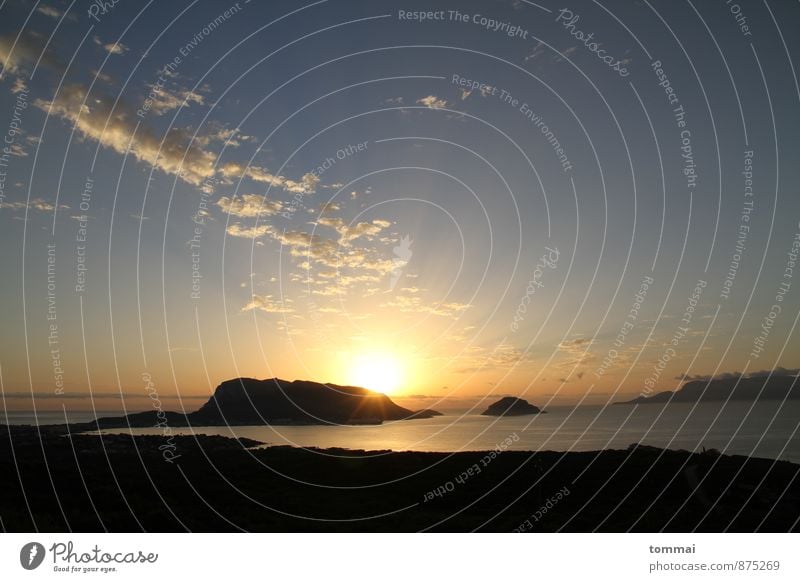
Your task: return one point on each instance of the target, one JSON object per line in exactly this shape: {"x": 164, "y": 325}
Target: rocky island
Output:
{"x": 247, "y": 401}
{"x": 511, "y": 406}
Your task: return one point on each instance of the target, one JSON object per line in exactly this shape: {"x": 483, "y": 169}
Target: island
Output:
{"x": 775, "y": 387}
{"x": 511, "y": 406}
{"x": 426, "y": 413}
{"x": 248, "y": 401}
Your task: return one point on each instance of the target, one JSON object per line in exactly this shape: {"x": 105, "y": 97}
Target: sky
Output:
{"x": 450, "y": 200}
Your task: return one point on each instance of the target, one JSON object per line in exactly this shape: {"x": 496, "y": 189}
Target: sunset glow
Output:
{"x": 378, "y": 371}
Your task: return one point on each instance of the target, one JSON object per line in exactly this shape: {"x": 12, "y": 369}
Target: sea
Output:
{"x": 767, "y": 429}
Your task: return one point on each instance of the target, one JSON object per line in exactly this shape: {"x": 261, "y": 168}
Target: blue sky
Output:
{"x": 248, "y": 204}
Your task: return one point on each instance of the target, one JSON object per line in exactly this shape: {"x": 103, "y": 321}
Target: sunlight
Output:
{"x": 376, "y": 371}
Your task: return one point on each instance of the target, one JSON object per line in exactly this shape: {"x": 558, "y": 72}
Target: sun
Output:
{"x": 376, "y": 371}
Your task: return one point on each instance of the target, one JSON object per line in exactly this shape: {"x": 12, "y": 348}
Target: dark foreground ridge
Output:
{"x": 728, "y": 389}
{"x": 123, "y": 484}
{"x": 246, "y": 401}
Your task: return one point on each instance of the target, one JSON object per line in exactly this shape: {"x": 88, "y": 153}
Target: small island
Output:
{"x": 511, "y": 406}
{"x": 425, "y": 413}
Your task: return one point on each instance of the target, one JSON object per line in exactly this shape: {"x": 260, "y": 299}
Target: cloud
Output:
{"x": 432, "y": 102}
{"x": 249, "y": 206}
{"x": 415, "y": 304}
{"x": 38, "y": 204}
{"x": 329, "y": 208}
{"x": 163, "y": 100}
{"x": 16, "y": 54}
{"x": 708, "y": 377}
{"x": 114, "y": 48}
{"x": 485, "y": 91}
{"x": 347, "y": 280}
{"x": 177, "y": 152}
{"x": 328, "y": 253}
{"x": 334, "y": 186}
{"x": 306, "y": 185}
{"x": 231, "y": 137}
{"x": 49, "y": 11}
{"x": 267, "y": 304}
{"x": 576, "y": 351}
{"x": 332, "y": 268}
{"x": 253, "y": 232}
{"x": 94, "y": 118}
{"x": 43, "y": 205}
{"x": 778, "y": 371}
{"x": 331, "y": 290}
{"x": 17, "y": 149}
{"x": 350, "y": 232}
{"x": 19, "y": 86}
{"x": 569, "y": 345}
{"x": 54, "y": 12}
{"x": 102, "y": 77}
{"x": 478, "y": 358}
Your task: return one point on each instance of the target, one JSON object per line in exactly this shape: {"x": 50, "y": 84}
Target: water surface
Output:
{"x": 766, "y": 429}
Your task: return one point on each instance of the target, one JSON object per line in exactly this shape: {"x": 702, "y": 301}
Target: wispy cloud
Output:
{"x": 268, "y": 304}
{"x": 350, "y": 232}
{"x": 48, "y": 10}
{"x": 17, "y": 54}
{"x": 778, "y": 371}
{"x": 115, "y": 127}
{"x": 163, "y": 100}
{"x": 306, "y": 185}
{"x": 252, "y": 232}
{"x": 413, "y": 303}
{"x": 114, "y": 48}
{"x": 432, "y": 102}
{"x": 478, "y": 358}
{"x": 37, "y": 204}
{"x": 105, "y": 78}
{"x": 249, "y": 206}
{"x": 576, "y": 351}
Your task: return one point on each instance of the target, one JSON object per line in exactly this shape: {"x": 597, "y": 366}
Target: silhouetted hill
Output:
{"x": 247, "y": 401}
{"x": 511, "y": 406}
{"x": 749, "y": 389}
